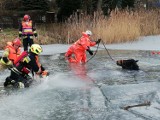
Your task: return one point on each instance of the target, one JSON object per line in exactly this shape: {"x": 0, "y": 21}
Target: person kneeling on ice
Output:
{"x": 79, "y": 48}
{"x": 25, "y": 63}
{"x": 11, "y": 53}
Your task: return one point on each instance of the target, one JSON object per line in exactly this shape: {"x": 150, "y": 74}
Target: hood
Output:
{"x": 84, "y": 34}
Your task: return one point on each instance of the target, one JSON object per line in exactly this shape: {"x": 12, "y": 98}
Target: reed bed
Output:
{"x": 120, "y": 26}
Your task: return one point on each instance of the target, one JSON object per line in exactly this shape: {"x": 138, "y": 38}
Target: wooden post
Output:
{"x": 68, "y": 38}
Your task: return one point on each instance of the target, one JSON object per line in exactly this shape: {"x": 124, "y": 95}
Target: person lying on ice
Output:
{"x": 25, "y": 63}
{"x": 79, "y": 48}
{"x": 11, "y": 53}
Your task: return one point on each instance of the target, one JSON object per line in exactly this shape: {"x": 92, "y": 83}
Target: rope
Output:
{"x": 97, "y": 50}
{"x": 94, "y": 53}
{"x": 107, "y": 51}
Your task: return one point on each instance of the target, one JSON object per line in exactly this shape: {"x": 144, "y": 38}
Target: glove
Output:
{"x": 42, "y": 68}
{"x": 44, "y": 74}
{"x": 89, "y": 51}
{"x": 20, "y": 34}
{"x": 98, "y": 41}
{"x": 36, "y": 35}
{"x": 10, "y": 63}
{"x": 5, "y": 59}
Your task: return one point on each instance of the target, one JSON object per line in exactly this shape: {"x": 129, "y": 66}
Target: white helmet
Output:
{"x": 88, "y": 32}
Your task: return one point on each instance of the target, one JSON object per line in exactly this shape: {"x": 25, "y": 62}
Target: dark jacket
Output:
{"x": 29, "y": 62}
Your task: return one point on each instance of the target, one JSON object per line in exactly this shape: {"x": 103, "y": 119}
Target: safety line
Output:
{"x": 107, "y": 51}
{"x": 94, "y": 53}
{"x": 97, "y": 50}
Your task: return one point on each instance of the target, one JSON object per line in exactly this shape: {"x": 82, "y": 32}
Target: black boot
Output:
{"x": 9, "y": 82}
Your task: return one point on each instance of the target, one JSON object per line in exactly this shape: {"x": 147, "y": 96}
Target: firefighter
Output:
{"x": 79, "y": 48}
{"x": 27, "y": 31}
{"x": 11, "y": 53}
{"x": 26, "y": 63}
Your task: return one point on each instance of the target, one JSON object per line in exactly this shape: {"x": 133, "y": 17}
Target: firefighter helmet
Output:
{"x": 26, "y": 17}
{"x": 36, "y": 48}
{"x": 17, "y": 42}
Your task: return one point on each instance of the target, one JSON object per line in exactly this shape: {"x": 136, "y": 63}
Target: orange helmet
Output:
{"x": 17, "y": 42}
{"x": 26, "y": 17}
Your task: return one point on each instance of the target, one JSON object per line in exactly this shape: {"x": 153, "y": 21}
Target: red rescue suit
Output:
{"x": 79, "y": 49}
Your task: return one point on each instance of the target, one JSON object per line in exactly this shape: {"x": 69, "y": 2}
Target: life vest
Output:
{"x": 27, "y": 28}
{"x": 13, "y": 54}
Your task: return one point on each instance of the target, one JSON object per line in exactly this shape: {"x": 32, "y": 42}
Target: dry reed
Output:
{"x": 120, "y": 26}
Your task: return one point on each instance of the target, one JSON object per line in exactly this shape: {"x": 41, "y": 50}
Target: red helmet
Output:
{"x": 17, "y": 42}
{"x": 26, "y": 17}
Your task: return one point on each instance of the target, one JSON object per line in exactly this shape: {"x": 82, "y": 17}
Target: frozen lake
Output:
{"x": 98, "y": 90}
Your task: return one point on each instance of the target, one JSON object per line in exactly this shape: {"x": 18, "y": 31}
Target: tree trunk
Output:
{"x": 99, "y": 4}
